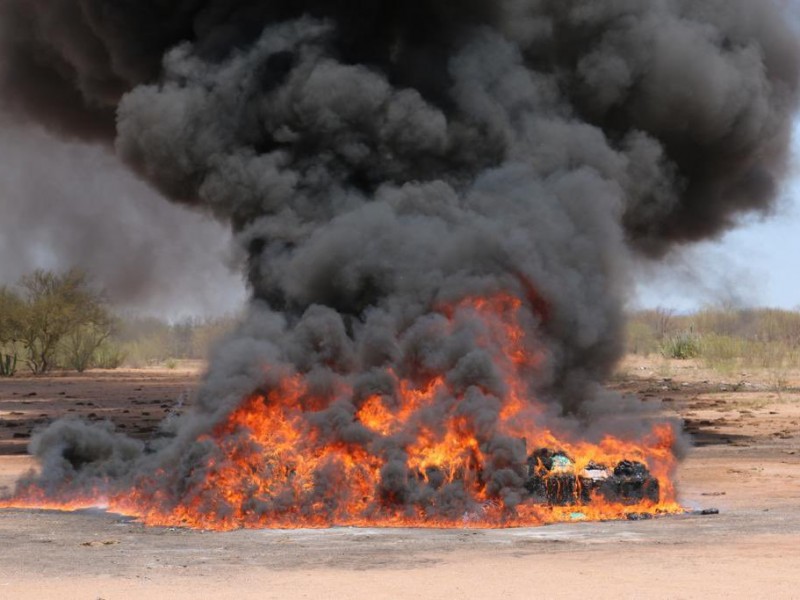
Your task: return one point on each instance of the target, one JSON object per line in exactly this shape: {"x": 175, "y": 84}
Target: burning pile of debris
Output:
{"x": 438, "y": 204}
{"x": 554, "y": 479}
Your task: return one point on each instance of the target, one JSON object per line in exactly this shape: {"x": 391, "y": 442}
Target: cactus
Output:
{"x": 8, "y": 365}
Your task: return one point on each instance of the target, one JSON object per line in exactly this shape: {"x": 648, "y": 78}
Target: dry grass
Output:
{"x": 728, "y": 342}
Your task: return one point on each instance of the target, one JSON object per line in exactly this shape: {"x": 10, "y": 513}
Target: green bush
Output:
{"x": 681, "y": 346}
{"x": 725, "y": 339}
{"x": 109, "y": 356}
{"x": 61, "y": 321}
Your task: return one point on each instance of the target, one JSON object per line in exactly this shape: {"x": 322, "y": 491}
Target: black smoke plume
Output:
{"x": 376, "y": 160}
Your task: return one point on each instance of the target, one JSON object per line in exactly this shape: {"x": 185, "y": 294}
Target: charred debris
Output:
{"x": 554, "y": 480}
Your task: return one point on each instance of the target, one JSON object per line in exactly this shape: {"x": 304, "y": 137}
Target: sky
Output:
{"x": 756, "y": 264}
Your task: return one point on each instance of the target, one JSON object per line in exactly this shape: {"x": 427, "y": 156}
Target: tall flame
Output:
{"x": 268, "y": 465}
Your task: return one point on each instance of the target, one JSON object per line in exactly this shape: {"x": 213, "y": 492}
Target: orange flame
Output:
{"x": 268, "y": 464}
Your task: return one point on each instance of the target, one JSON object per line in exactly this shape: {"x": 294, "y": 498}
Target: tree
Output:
{"x": 11, "y": 306}
{"x": 11, "y": 311}
{"x": 59, "y": 307}
{"x": 82, "y": 342}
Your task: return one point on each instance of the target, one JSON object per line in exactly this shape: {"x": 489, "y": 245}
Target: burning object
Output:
{"x": 438, "y": 204}
{"x": 554, "y": 480}
{"x": 439, "y": 454}
{"x": 632, "y": 483}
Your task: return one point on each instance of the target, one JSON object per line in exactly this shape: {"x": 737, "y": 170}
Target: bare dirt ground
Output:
{"x": 746, "y": 462}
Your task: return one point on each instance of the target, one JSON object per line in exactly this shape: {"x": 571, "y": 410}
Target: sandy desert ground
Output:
{"x": 745, "y": 461}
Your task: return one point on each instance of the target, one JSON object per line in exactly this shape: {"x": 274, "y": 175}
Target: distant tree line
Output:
{"x": 727, "y": 339}
{"x": 675, "y": 335}
{"x": 60, "y": 321}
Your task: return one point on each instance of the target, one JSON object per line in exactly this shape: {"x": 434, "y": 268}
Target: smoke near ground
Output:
{"x": 379, "y": 162}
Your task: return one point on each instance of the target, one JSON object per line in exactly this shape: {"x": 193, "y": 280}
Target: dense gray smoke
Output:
{"x": 379, "y": 160}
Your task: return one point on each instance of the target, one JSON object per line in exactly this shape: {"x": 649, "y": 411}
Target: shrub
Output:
{"x": 682, "y": 346}
{"x": 8, "y": 365}
{"x": 109, "y": 356}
